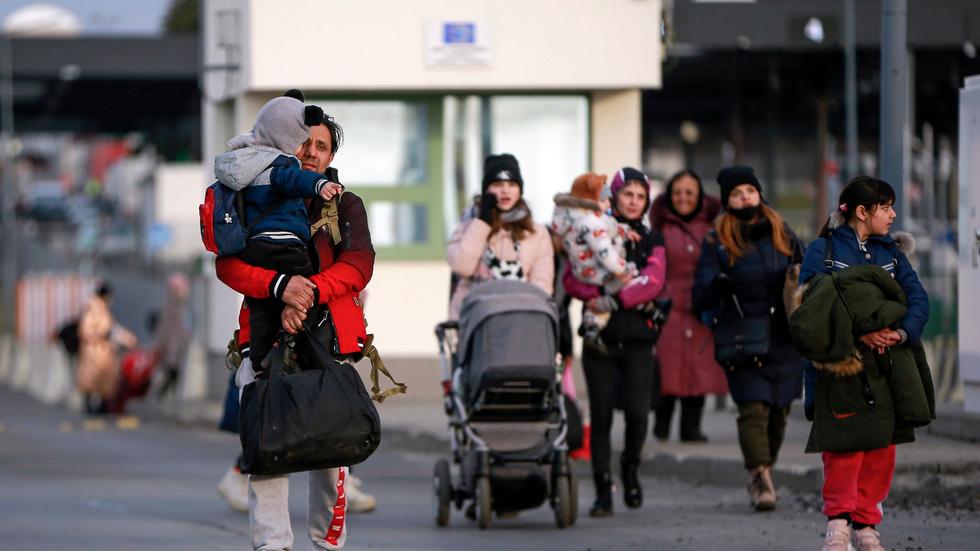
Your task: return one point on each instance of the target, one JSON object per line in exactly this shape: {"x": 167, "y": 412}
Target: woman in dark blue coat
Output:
{"x": 747, "y": 256}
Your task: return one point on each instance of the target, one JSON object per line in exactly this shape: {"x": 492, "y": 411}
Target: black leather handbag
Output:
{"x": 319, "y": 416}
{"x": 742, "y": 342}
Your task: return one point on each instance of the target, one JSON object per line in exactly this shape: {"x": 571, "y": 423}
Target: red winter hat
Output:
{"x": 588, "y": 186}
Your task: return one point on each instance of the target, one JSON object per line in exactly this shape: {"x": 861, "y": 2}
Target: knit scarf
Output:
{"x": 515, "y": 214}
{"x": 756, "y": 231}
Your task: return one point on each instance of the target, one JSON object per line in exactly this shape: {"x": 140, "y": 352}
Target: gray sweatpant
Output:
{"x": 268, "y": 504}
{"x": 268, "y": 511}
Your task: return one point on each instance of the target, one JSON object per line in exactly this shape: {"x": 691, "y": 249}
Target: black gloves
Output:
{"x": 488, "y": 202}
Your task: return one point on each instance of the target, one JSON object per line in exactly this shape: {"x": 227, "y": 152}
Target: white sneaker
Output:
{"x": 838, "y": 536}
{"x": 358, "y": 501}
{"x": 868, "y": 539}
{"x": 233, "y": 488}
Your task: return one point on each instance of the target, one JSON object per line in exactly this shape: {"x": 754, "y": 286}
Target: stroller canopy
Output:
{"x": 495, "y": 297}
{"x": 507, "y": 346}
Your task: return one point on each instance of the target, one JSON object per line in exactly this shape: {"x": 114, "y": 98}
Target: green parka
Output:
{"x": 863, "y": 400}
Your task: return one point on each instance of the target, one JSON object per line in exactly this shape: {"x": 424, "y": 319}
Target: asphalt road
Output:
{"x": 69, "y": 483}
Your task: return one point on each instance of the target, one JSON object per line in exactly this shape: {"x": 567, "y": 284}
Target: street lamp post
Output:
{"x": 850, "y": 89}
{"x": 894, "y": 98}
{"x": 7, "y": 181}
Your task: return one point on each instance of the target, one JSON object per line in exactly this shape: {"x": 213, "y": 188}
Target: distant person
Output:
{"x": 856, "y": 439}
{"x": 498, "y": 238}
{"x": 98, "y": 365}
{"x": 625, "y": 365}
{"x": 742, "y": 271}
{"x": 685, "y": 352}
{"x": 344, "y": 269}
{"x": 172, "y": 332}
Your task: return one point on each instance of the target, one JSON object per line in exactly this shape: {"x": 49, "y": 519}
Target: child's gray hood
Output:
{"x": 239, "y": 168}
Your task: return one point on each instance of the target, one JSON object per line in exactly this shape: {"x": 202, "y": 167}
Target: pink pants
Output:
{"x": 857, "y": 482}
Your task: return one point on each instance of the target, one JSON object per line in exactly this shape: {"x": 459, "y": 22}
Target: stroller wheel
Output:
{"x": 483, "y": 501}
{"x": 443, "y": 490}
{"x": 563, "y": 501}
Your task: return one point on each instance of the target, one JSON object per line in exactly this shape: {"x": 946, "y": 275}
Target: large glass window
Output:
{"x": 391, "y": 157}
{"x": 397, "y": 224}
{"x": 548, "y": 134}
{"x": 417, "y": 161}
{"x": 384, "y": 140}
{"x": 549, "y": 137}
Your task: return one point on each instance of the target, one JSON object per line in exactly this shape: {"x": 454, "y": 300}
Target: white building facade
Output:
{"x": 424, "y": 90}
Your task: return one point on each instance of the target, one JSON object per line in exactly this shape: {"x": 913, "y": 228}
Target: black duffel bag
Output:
{"x": 303, "y": 420}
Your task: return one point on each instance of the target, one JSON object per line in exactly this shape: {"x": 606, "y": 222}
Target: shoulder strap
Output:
{"x": 377, "y": 365}
{"x": 723, "y": 266}
{"x": 330, "y": 217}
{"x": 330, "y": 210}
{"x": 895, "y": 250}
{"x": 828, "y": 256}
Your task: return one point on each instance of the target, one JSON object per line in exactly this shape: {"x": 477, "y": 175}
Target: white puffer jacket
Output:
{"x": 594, "y": 241}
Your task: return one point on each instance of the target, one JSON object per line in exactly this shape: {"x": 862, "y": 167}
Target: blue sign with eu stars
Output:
{"x": 459, "y": 33}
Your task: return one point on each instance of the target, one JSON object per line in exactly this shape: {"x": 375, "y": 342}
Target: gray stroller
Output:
{"x": 507, "y": 419}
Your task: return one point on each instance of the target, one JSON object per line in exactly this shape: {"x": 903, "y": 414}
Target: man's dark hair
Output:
{"x": 336, "y": 132}
{"x": 104, "y": 290}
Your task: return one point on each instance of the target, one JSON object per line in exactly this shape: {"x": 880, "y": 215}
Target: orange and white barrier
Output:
{"x": 45, "y": 301}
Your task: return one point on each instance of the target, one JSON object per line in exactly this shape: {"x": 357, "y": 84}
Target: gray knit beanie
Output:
{"x": 284, "y": 123}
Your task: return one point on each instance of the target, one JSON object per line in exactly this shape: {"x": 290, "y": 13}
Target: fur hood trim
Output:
{"x": 905, "y": 242}
{"x": 568, "y": 200}
{"x": 844, "y": 368}
{"x": 853, "y": 364}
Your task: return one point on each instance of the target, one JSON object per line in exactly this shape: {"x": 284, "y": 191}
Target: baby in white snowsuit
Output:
{"x": 594, "y": 241}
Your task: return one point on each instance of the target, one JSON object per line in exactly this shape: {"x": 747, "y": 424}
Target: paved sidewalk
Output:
{"x": 416, "y": 422}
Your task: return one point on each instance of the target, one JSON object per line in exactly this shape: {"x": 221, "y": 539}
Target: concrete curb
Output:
{"x": 955, "y": 423}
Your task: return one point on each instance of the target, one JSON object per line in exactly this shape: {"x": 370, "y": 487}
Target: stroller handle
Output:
{"x": 442, "y": 327}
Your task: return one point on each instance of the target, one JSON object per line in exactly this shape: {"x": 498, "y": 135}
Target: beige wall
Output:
{"x": 617, "y": 127}
{"x": 405, "y": 301}
{"x": 382, "y": 44}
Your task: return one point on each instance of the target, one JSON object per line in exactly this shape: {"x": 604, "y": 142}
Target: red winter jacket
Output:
{"x": 345, "y": 270}
{"x": 686, "y": 350}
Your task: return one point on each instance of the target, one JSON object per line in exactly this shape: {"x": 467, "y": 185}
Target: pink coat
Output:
{"x": 685, "y": 350}
{"x": 472, "y": 237}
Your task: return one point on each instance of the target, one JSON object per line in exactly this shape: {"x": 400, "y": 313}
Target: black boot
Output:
{"x": 691, "y": 409}
{"x": 603, "y": 496}
{"x": 661, "y": 418}
{"x": 632, "y": 492}
{"x": 169, "y": 384}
